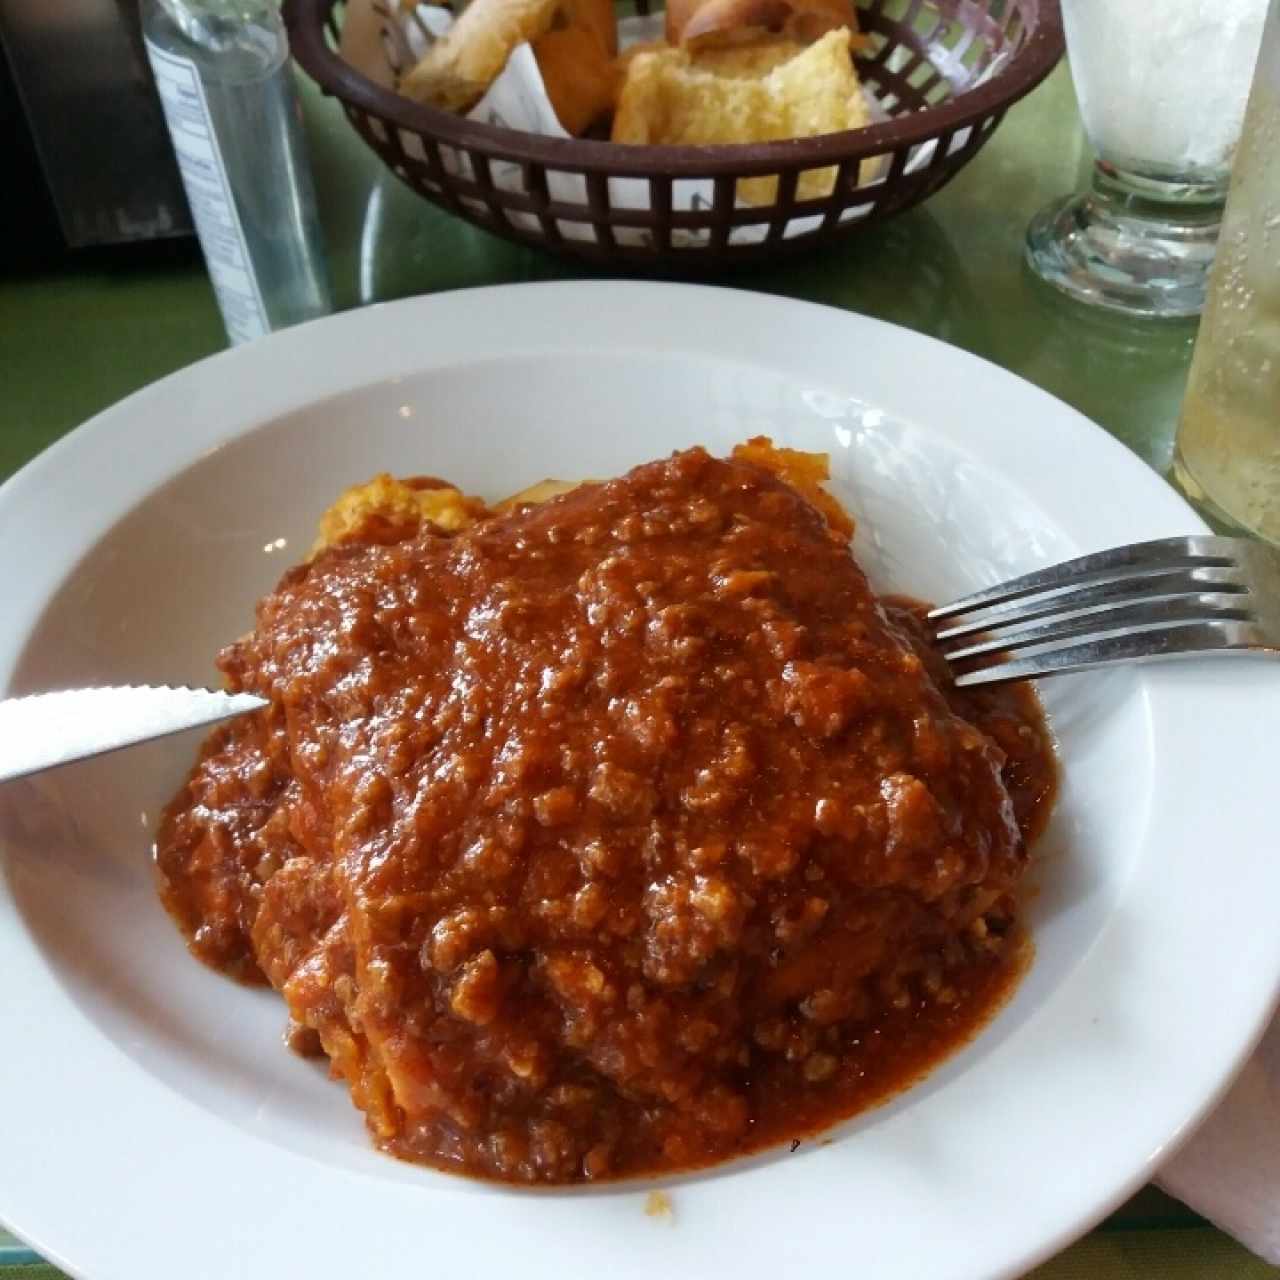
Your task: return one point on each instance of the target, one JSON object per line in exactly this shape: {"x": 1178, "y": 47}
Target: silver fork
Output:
{"x": 1171, "y": 598}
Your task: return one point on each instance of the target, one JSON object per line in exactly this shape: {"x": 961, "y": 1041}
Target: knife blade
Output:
{"x": 47, "y": 729}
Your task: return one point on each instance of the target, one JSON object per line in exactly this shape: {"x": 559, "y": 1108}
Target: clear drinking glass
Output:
{"x": 1227, "y": 457}
{"x": 1162, "y": 90}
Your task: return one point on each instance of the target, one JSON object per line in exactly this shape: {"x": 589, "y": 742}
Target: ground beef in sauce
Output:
{"x": 623, "y": 833}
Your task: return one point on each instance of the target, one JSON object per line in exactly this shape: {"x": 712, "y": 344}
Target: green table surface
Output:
{"x": 78, "y": 336}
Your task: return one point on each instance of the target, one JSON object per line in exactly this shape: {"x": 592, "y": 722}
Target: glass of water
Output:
{"x": 1162, "y": 92}
{"x": 1227, "y": 457}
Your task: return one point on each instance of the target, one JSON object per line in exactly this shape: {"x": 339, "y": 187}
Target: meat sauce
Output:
{"x": 625, "y": 833}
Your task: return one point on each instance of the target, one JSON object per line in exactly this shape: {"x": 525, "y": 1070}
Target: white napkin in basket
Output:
{"x": 1229, "y": 1170}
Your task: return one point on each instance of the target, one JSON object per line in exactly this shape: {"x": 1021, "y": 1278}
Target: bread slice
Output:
{"x": 574, "y": 41}
{"x": 457, "y": 70}
{"x": 597, "y": 16}
{"x": 576, "y": 61}
{"x": 669, "y": 96}
{"x": 698, "y": 22}
{"x": 750, "y": 59}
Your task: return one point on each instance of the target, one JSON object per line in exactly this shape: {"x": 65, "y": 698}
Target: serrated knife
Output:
{"x": 48, "y": 729}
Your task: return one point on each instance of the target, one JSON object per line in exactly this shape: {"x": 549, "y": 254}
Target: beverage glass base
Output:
{"x": 1129, "y": 244}
{"x": 1268, "y": 529}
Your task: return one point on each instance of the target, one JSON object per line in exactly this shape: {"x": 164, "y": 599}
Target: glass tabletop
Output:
{"x": 78, "y": 336}
{"x": 951, "y": 268}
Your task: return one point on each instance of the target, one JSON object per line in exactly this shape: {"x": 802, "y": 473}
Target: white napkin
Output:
{"x": 1229, "y": 1170}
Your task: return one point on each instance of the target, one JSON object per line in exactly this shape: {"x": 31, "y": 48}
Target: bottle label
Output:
{"x": 213, "y": 207}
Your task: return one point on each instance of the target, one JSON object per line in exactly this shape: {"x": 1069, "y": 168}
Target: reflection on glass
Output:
{"x": 1121, "y": 371}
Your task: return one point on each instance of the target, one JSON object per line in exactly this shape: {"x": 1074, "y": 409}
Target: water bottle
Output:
{"x": 223, "y": 73}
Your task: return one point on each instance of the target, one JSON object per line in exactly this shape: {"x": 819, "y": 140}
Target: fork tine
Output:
{"x": 1171, "y": 642}
{"x": 1139, "y": 559}
{"x": 1143, "y": 615}
{"x": 1068, "y": 599}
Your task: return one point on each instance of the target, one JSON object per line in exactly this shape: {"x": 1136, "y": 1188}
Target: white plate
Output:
{"x": 151, "y": 1122}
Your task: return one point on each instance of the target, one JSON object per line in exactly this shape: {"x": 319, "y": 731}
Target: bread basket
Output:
{"x": 943, "y": 71}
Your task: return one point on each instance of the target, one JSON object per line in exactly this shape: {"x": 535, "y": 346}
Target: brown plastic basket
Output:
{"x": 945, "y": 71}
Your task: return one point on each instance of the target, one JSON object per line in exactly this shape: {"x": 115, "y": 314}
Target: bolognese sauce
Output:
{"x": 627, "y": 832}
